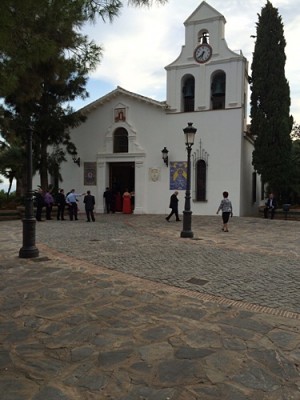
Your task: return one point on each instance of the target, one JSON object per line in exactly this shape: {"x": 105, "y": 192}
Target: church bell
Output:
{"x": 188, "y": 91}
{"x": 218, "y": 89}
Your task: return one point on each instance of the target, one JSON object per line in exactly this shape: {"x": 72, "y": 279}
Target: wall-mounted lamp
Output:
{"x": 165, "y": 157}
{"x": 76, "y": 159}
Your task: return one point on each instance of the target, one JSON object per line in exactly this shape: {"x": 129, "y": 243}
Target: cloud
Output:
{"x": 142, "y": 41}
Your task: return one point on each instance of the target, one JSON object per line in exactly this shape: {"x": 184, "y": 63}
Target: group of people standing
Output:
{"x": 115, "y": 202}
{"x": 43, "y": 200}
{"x": 47, "y": 200}
{"x": 111, "y": 198}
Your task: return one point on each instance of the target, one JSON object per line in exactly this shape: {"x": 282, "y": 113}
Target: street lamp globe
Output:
{"x": 189, "y": 134}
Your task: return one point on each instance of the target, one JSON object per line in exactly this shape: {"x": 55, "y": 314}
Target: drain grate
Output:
{"x": 197, "y": 281}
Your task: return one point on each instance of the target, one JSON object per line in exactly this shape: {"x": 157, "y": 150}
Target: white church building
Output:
{"x": 120, "y": 144}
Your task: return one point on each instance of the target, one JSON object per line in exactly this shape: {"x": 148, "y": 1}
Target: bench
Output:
{"x": 284, "y": 212}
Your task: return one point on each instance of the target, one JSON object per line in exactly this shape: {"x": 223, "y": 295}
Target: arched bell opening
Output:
{"x": 203, "y": 36}
{"x": 218, "y": 91}
{"x": 188, "y": 93}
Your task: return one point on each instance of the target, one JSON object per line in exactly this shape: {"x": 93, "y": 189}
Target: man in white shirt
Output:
{"x": 71, "y": 200}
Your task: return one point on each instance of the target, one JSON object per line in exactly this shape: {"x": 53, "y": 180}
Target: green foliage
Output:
{"x": 295, "y": 134}
{"x": 295, "y": 171}
{"x": 146, "y": 2}
{"x": 270, "y": 102}
{"x": 9, "y": 201}
{"x": 12, "y": 156}
{"x": 105, "y": 9}
{"x": 45, "y": 79}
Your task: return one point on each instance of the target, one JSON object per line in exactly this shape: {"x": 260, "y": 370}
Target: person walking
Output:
{"x": 226, "y": 208}
{"x": 71, "y": 199}
{"x": 174, "y": 206}
{"x": 89, "y": 201}
{"x": 61, "y": 204}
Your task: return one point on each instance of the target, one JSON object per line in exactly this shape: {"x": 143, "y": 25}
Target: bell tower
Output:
{"x": 207, "y": 75}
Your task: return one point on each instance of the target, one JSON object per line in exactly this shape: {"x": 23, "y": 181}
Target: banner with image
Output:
{"x": 178, "y": 175}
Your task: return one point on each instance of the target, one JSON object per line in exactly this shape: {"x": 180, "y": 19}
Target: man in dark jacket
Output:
{"x": 270, "y": 205}
{"x": 108, "y": 200}
{"x": 89, "y": 202}
{"x": 174, "y": 206}
{"x": 61, "y": 204}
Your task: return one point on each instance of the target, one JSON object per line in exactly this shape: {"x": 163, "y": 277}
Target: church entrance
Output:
{"x": 121, "y": 176}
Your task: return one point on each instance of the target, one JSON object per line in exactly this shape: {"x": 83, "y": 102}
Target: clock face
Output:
{"x": 203, "y": 53}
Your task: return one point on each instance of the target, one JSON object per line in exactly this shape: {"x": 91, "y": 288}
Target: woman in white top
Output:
{"x": 226, "y": 208}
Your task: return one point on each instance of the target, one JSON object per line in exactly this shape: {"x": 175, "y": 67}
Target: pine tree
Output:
{"x": 44, "y": 64}
{"x": 271, "y": 122}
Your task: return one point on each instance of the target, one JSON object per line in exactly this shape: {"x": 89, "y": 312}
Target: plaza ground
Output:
{"x": 124, "y": 309}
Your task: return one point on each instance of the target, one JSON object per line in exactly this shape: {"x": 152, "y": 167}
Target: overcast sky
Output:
{"x": 142, "y": 41}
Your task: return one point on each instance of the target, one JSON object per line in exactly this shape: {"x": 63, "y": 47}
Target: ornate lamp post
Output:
{"x": 29, "y": 250}
{"x": 189, "y": 133}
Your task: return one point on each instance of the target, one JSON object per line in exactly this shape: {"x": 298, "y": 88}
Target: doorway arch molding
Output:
{"x": 133, "y": 145}
{"x": 135, "y": 155}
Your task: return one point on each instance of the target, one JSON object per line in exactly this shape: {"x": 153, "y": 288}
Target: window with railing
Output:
{"x": 201, "y": 180}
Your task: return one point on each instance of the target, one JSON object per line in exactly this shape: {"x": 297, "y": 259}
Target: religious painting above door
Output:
{"x": 120, "y": 114}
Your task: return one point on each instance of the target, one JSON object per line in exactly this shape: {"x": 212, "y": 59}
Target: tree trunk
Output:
{"x": 21, "y": 185}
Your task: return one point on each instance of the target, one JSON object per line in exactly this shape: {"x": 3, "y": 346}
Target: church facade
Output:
{"x": 120, "y": 144}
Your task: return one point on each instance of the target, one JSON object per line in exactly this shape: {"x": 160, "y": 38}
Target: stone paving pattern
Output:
{"x": 125, "y": 309}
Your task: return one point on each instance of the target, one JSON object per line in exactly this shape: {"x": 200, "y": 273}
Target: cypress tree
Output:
{"x": 271, "y": 122}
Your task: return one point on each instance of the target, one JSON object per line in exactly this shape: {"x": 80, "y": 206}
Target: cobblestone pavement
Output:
{"x": 125, "y": 309}
{"x": 258, "y": 261}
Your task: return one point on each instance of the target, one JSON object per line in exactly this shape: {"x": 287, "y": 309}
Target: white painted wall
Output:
{"x": 220, "y": 132}
{"x": 151, "y": 126}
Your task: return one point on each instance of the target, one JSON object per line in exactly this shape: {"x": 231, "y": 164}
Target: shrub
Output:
{"x": 9, "y": 201}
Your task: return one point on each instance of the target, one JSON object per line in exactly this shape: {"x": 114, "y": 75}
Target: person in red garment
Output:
{"x": 127, "y": 209}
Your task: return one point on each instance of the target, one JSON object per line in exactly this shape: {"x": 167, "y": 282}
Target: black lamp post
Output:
{"x": 29, "y": 249}
{"x": 189, "y": 133}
